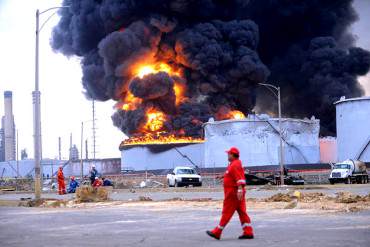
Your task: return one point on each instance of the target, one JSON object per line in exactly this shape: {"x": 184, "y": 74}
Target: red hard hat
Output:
{"x": 73, "y": 177}
{"x": 233, "y": 150}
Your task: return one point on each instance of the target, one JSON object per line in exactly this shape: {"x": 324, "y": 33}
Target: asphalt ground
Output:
{"x": 176, "y": 224}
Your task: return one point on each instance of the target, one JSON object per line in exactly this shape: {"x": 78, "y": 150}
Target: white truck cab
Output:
{"x": 184, "y": 176}
{"x": 349, "y": 171}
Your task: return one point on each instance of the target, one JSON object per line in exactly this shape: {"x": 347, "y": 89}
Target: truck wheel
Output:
{"x": 168, "y": 183}
{"x": 348, "y": 180}
{"x": 331, "y": 182}
{"x": 176, "y": 184}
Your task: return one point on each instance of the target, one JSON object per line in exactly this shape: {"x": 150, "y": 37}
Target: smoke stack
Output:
{"x": 60, "y": 147}
{"x": 8, "y": 126}
{"x": 86, "y": 150}
{"x": 70, "y": 147}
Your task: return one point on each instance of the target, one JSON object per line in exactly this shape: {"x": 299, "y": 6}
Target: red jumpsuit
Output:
{"x": 61, "y": 184}
{"x": 97, "y": 183}
{"x": 234, "y": 177}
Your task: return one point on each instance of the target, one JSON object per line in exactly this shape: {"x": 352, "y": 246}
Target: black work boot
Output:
{"x": 245, "y": 236}
{"x": 213, "y": 235}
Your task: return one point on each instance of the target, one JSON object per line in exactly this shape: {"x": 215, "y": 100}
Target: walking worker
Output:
{"x": 234, "y": 193}
{"x": 61, "y": 184}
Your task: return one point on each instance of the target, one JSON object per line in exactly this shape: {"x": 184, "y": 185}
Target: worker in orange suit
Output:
{"x": 234, "y": 192}
{"x": 61, "y": 184}
{"x": 97, "y": 183}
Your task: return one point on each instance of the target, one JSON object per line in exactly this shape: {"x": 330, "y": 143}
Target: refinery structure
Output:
{"x": 7, "y": 131}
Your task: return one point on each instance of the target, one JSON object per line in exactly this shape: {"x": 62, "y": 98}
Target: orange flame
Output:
{"x": 225, "y": 113}
{"x": 236, "y": 114}
{"x": 155, "y": 120}
{"x": 130, "y": 102}
{"x": 160, "y": 139}
{"x": 179, "y": 89}
{"x": 142, "y": 70}
{"x": 152, "y": 131}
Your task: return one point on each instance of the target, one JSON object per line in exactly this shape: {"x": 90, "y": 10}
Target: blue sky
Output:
{"x": 63, "y": 104}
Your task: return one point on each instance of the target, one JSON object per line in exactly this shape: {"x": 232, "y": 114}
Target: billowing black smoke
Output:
{"x": 223, "y": 49}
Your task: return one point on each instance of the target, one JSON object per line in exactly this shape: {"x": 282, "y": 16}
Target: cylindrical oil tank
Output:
{"x": 353, "y": 128}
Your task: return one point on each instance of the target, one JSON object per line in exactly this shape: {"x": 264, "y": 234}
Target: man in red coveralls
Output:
{"x": 234, "y": 190}
{"x": 61, "y": 184}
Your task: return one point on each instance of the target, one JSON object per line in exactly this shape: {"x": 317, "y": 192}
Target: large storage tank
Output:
{"x": 353, "y": 128}
{"x": 258, "y": 139}
{"x": 161, "y": 156}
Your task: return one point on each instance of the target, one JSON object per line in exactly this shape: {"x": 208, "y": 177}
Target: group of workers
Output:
{"x": 73, "y": 184}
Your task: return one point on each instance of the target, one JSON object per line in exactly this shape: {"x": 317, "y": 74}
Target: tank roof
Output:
{"x": 343, "y": 99}
{"x": 258, "y": 118}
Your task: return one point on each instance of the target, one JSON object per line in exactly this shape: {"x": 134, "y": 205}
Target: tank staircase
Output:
{"x": 363, "y": 149}
{"x": 284, "y": 140}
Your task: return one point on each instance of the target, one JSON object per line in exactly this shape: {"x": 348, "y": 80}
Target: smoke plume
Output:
{"x": 217, "y": 52}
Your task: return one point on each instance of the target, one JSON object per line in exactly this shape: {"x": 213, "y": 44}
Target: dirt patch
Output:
{"x": 346, "y": 197}
{"x": 280, "y": 197}
{"x": 318, "y": 201}
{"x": 87, "y": 193}
{"x": 145, "y": 199}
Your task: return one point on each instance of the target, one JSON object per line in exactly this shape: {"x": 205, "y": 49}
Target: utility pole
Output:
{"x": 271, "y": 88}
{"x": 17, "y": 157}
{"x": 86, "y": 150}
{"x": 281, "y": 142}
{"x": 37, "y": 117}
{"x": 94, "y": 129}
{"x": 36, "y": 105}
{"x": 60, "y": 148}
{"x": 81, "y": 153}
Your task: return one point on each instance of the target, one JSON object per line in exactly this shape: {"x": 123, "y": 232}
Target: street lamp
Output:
{"x": 277, "y": 89}
{"x": 36, "y": 105}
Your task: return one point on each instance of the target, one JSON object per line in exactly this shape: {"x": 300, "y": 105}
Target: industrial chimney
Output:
{"x": 8, "y": 127}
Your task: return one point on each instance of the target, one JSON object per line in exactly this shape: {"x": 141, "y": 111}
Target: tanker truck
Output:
{"x": 349, "y": 171}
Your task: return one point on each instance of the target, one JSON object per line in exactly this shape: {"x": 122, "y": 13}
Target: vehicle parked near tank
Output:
{"x": 349, "y": 171}
{"x": 184, "y": 176}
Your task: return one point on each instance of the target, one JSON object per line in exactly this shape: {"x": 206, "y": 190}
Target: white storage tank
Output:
{"x": 353, "y": 128}
{"x": 161, "y": 156}
{"x": 258, "y": 139}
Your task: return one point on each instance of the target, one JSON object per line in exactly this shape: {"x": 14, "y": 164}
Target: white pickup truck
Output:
{"x": 184, "y": 176}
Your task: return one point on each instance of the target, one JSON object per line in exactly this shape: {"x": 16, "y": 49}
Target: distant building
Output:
{"x": 7, "y": 132}
{"x": 2, "y": 145}
{"x": 73, "y": 153}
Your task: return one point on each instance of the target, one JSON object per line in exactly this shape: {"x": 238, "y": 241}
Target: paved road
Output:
{"x": 161, "y": 224}
{"x": 215, "y": 193}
